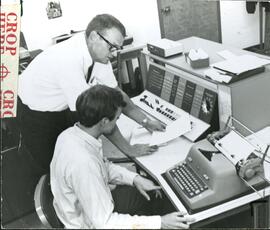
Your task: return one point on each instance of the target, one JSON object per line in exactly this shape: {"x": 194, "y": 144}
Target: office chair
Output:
{"x": 44, "y": 203}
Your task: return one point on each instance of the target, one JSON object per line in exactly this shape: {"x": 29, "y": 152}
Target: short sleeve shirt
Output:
{"x": 56, "y": 77}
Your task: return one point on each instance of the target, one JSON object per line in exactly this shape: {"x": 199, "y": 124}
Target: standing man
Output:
{"x": 81, "y": 180}
{"x": 50, "y": 85}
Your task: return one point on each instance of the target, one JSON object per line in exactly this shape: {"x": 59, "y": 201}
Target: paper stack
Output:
{"x": 236, "y": 68}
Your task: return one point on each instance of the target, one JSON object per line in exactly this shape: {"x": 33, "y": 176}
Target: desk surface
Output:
{"x": 176, "y": 151}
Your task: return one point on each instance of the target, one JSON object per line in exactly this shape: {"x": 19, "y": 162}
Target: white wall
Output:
{"x": 140, "y": 17}
{"x": 239, "y": 28}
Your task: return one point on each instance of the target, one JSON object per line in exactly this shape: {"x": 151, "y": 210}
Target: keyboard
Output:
{"x": 183, "y": 179}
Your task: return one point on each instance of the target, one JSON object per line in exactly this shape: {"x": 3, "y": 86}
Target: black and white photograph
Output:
{"x": 53, "y": 10}
{"x": 124, "y": 114}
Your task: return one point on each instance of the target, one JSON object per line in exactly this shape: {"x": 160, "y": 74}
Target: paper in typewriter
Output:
{"x": 234, "y": 147}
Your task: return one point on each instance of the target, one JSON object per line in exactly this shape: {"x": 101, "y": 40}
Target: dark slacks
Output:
{"x": 128, "y": 200}
{"x": 39, "y": 132}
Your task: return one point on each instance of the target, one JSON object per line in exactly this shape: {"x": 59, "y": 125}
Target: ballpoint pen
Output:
{"x": 225, "y": 73}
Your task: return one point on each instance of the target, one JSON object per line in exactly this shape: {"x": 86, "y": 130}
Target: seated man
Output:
{"x": 91, "y": 192}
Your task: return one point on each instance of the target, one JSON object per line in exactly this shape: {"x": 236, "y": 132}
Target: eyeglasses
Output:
{"x": 112, "y": 47}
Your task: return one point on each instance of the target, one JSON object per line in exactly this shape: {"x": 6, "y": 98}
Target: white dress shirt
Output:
{"x": 56, "y": 77}
{"x": 80, "y": 179}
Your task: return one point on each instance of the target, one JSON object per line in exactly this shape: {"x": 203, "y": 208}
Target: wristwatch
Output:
{"x": 144, "y": 122}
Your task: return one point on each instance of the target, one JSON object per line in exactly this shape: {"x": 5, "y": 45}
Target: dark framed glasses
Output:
{"x": 112, "y": 47}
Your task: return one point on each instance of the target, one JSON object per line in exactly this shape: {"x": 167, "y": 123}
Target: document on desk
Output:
{"x": 234, "y": 147}
{"x": 217, "y": 75}
{"x": 240, "y": 64}
{"x": 175, "y": 129}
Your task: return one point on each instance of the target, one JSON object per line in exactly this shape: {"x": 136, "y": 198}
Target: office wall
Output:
{"x": 239, "y": 28}
{"x": 139, "y": 16}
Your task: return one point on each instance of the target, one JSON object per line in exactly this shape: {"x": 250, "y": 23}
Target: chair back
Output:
{"x": 44, "y": 203}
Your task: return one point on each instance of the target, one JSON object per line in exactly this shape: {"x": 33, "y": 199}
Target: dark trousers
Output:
{"x": 39, "y": 132}
{"x": 128, "y": 200}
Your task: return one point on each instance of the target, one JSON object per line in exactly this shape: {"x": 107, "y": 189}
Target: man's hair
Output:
{"x": 98, "y": 102}
{"x": 104, "y": 22}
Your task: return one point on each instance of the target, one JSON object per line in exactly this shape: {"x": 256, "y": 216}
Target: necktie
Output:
{"x": 89, "y": 72}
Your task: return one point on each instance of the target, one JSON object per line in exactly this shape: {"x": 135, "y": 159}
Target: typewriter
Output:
{"x": 207, "y": 177}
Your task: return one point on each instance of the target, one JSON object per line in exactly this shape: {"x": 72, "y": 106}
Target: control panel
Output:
{"x": 196, "y": 100}
{"x": 162, "y": 110}
{"x": 168, "y": 96}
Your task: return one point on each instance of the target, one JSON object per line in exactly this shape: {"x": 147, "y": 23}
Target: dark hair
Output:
{"x": 103, "y": 22}
{"x": 98, "y": 102}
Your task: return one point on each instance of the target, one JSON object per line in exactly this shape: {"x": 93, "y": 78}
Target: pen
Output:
{"x": 223, "y": 72}
{"x": 226, "y": 73}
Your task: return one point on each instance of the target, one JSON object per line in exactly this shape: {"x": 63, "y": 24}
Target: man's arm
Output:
{"x": 130, "y": 150}
{"x": 96, "y": 202}
{"x": 120, "y": 175}
{"x": 132, "y": 111}
{"x": 135, "y": 113}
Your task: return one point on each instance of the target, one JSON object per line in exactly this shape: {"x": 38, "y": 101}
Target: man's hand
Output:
{"x": 143, "y": 185}
{"x": 154, "y": 125}
{"x": 175, "y": 220}
{"x": 138, "y": 150}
